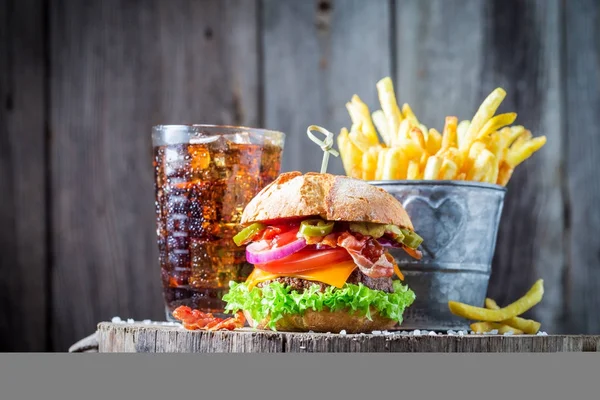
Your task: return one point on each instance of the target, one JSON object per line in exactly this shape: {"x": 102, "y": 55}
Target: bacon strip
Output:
{"x": 370, "y": 256}
{"x": 196, "y": 319}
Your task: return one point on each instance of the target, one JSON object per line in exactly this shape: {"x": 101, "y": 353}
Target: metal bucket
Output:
{"x": 458, "y": 221}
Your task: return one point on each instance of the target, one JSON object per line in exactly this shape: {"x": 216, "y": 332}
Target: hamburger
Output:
{"x": 318, "y": 243}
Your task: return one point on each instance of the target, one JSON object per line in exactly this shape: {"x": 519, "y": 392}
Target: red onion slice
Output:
{"x": 258, "y": 252}
{"x": 385, "y": 242}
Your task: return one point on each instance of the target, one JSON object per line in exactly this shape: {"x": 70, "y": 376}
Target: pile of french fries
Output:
{"x": 503, "y": 320}
{"x": 484, "y": 149}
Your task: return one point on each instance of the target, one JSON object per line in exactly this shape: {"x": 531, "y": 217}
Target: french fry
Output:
{"x": 350, "y": 154}
{"x": 483, "y": 114}
{"x": 432, "y": 168}
{"x": 402, "y": 136}
{"x": 482, "y": 327}
{"x": 523, "y": 137}
{"x": 452, "y": 154}
{"x": 413, "y": 170}
{"x": 471, "y": 156}
{"x": 448, "y": 170}
{"x": 434, "y": 141}
{"x": 493, "y": 172}
{"x": 416, "y": 136}
{"x": 359, "y": 113}
{"x": 389, "y": 105}
{"x": 516, "y": 156}
{"x": 424, "y": 131}
{"x": 461, "y": 130}
{"x": 382, "y": 126}
{"x": 408, "y": 113}
{"x": 496, "y": 123}
{"x": 526, "y": 325}
{"x": 504, "y": 174}
{"x": 369, "y": 164}
{"x": 395, "y": 165}
{"x": 359, "y": 139}
{"x": 530, "y": 299}
{"x": 449, "y": 133}
{"x": 380, "y": 164}
{"x": 481, "y": 166}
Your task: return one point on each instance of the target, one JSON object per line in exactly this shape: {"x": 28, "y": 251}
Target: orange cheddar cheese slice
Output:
{"x": 334, "y": 275}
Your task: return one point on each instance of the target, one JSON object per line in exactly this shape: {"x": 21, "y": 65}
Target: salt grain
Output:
{"x": 509, "y": 333}
{"x": 461, "y": 333}
{"x": 376, "y": 332}
{"x": 432, "y": 333}
{"x": 541, "y": 334}
{"x": 450, "y": 332}
{"x": 117, "y": 320}
{"x": 417, "y": 332}
{"x": 343, "y": 332}
{"x": 146, "y": 321}
{"x": 130, "y": 320}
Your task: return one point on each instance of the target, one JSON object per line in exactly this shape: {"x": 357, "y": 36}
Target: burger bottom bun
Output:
{"x": 326, "y": 321}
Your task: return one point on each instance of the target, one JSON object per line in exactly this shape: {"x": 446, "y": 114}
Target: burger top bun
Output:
{"x": 331, "y": 197}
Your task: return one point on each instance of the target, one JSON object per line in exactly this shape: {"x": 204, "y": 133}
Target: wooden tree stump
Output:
{"x": 150, "y": 338}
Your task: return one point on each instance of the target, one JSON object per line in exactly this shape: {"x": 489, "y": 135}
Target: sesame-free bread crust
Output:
{"x": 331, "y": 197}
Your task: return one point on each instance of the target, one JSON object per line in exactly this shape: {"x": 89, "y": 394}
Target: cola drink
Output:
{"x": 205, "y": 176}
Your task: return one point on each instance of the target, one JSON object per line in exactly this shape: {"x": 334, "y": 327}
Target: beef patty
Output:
{"x": 300, "y": 285}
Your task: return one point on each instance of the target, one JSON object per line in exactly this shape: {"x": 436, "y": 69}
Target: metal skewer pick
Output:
{"x": 325, "y": 145}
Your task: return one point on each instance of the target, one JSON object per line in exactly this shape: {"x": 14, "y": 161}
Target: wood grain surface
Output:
{"x": 81, "y": 84}
{"x": 23, "y": 223}
{"x": 144, "y": 338}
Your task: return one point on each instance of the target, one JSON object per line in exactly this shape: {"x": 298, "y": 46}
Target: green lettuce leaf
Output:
{"x": 277, "y": 300}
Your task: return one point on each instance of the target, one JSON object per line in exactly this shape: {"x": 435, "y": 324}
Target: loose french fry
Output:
{"x": 359, "y": 113}
{"x": 413, "y": 170}
{"x": 482, "y": 327}
{"x": 408, "y": 113}
{"x": 504, "y": 174}
{"x": 434, "y": 141}
{"x": 369, "y": 164}
{"x": 395, "y": 165}
{"x": 483, "y": 114}
{"x": 449, "y": 133}
{"x": 389, "y": 105}
{"x": 516, "y": 156}
{"x": 432, "y": 168}
{"x": 350, "y": 154}
{"x": 530, "y": 299}
{"x": 481, "y": 166}
{"x": 496, "y": 123}
{"x": 382, "y": 126}
{"x": 526, "y": 325}
{"x": 448, "y": 170}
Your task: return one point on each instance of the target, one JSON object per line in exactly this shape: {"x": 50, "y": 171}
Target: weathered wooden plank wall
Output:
{"x": 23, "y": 251}
{"x": 83, "y": 82}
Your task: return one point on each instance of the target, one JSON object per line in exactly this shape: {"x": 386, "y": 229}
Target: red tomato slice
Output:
{"x": 305, "y": 260}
